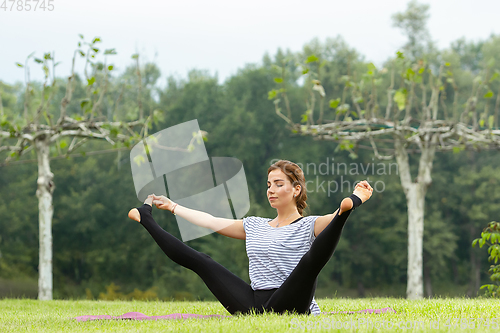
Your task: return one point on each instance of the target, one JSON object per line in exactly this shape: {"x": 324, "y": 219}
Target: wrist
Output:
{"x": 172, "y": 210}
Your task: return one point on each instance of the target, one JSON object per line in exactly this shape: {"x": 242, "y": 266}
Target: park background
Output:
{"x": 100, "y": 253}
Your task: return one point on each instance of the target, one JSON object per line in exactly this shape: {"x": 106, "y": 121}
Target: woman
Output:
{"x": 285, "y": 254}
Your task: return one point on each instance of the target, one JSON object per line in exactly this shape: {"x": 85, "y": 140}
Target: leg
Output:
{"x": 233, "y": 293}
{"x": 296, "y": 293}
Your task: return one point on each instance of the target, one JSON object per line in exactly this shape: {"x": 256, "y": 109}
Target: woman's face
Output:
{"x": 280, "y": 190}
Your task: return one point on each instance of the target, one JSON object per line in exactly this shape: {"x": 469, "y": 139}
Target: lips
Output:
{"x": 273, "y": 198}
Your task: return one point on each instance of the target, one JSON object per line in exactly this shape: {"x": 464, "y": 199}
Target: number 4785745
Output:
{"x": 27, "y": 5}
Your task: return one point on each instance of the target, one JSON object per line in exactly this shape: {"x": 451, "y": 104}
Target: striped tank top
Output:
{"x": 273, "y": 253}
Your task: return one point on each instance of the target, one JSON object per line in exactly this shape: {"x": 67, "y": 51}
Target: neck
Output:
{"x": 286, "y": 214}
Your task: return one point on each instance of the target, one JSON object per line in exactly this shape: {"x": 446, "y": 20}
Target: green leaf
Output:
{"x": 81, "y": 36}
{"x": 409, "y": 73}
{"x": 110, "y": 51}
{"x": 371, "y": 67}
{"x": 421, "y": 70}
{"x": 82, "y": 54}
{"x": 491, "y": 121}
{"x": 447, "y": 64}
{"x": 304, "y": 118}
{"x": 278, "y": 79}
{"x": 139, "y": 159}
{"x": 91, "y": 81}
{"x": 400, "y": 98}
{"x": 63, "y": 144}
{"x": 97, "y": 39}
{"x": 84, "y": 103}
{"x": 95, "y": 49}
{"x": 311, "y": 58}
{"x": 19, "y": 65}
{"x": 481, "y": 122}
{"x": 135, "y": 56}
{"x": 475, "y": 242}
{"x": 493, "y": 77}
{"x": 272, "y": 94}
{"x": 334, "y": 103}
{"x": 489, "y": 94}
{"x": 359, "y": 99}
{"x": 38, "y": 60}
{"x": 110, "y": 67}
{"x": 400, "y": 55}
{"x": 47, "y": 56}
{"x": 305, "y": 71}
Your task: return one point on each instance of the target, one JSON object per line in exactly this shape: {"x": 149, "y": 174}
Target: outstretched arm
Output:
{"x": 363, "y": 190}
{"x": 227, "y": 227}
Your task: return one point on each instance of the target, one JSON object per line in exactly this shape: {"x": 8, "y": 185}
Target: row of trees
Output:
{"x": 95, "y": 244}
{"x": 372, "y": 113}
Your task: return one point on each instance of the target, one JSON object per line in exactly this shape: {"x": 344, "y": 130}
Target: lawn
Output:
{"x": 434, "y": 315}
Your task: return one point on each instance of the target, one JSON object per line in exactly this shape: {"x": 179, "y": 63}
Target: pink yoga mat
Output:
{"x": 141, "y": 316}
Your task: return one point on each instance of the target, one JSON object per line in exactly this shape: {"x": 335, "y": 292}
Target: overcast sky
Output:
{"x": 223, "y": 35}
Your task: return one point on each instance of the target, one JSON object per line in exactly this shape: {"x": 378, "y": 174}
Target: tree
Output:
{"x": 402, "y": 124}
{"x": 44, "y": 128}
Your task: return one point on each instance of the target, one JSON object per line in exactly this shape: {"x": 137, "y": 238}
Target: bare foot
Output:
{"x": 345, "y": 205}
{"x": 363, "y": 190}
{"x": 134, "y": 213}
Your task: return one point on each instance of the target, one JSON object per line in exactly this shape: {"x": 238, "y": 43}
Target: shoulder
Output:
{"x": 310, "y": 218}
{"x": 253, "y": 220}
{"x": 325, "y": 219}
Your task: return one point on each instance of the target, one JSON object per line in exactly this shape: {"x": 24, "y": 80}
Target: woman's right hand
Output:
{"x": 162, "y": 202}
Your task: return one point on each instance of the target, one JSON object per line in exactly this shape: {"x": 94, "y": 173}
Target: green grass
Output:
{"x": 24, "y": 315}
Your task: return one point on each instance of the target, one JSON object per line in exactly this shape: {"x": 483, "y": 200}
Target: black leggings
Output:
{"x": 294, "y": 295}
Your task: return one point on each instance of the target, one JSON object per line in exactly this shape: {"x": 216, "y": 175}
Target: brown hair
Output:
{"x": 296, "y": 177}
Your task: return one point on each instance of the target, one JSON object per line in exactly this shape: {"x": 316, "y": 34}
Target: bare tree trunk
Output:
{"x": 414, "y": 288}
{"x": 415, "y": 199}
{"x": 45, "y": 188}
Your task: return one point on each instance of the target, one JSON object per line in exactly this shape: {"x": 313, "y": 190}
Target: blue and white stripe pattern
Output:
{"x": 273, "y": 253}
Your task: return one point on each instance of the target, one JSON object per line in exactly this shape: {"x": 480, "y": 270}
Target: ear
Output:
{"x": 298, "y": 188}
